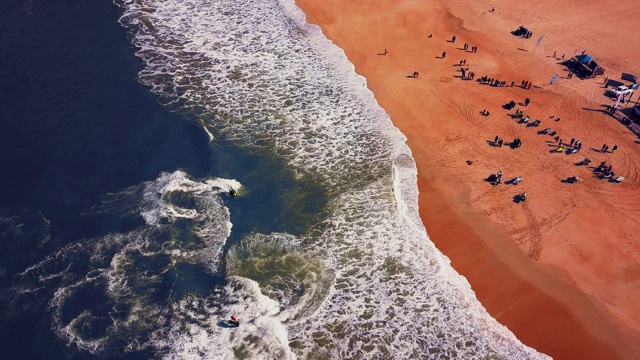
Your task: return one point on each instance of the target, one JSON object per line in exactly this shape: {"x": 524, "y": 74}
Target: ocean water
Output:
{"x": 126, "y": 125}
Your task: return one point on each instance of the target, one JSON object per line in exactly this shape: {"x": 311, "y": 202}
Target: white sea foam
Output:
{"x": 120, "y": 270}
{"x": 256, "y": 74}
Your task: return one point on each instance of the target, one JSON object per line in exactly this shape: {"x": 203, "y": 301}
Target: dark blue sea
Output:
{"x": 124, "y": 128}
{"x": 75, "y": 126}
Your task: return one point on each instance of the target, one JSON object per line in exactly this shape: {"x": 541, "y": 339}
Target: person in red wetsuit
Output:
{"x": 234, "y": 321}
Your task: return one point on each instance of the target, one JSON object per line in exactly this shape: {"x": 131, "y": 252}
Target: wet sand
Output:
{"x": 561, "y": 270}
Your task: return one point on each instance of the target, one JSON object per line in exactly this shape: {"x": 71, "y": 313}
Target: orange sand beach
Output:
{"x": 562, "y": 269}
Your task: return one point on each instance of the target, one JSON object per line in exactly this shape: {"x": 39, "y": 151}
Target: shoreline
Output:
{"x": 546, "y": 305}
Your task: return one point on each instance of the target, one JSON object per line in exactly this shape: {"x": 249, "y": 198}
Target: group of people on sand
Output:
{"x": 560, "y": 58}
{"x": 491, "y": 81}
{"x": 605, "y": 148}
{"x": 495, "y": 179}
{"x": 606, "y": 172}
{"x": 610, "y": 110}
{"x": 466, "y": 75}
{"x": 574, "y": 146}
{"x": 526, "y": 84}
{"x": 465, "y": 47}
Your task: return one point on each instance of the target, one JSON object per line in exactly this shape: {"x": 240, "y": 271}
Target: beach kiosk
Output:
{"x": 585, "y": 66}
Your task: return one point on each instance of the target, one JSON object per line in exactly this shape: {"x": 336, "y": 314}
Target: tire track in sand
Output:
{"x": 535, "y": 249}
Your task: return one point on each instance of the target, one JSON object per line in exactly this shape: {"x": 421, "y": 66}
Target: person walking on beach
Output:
{"x": 613, "y": 150}
{"x": 604, "y": 146}
{"x": 444, "y": 54}
{"x": 529, "y": 85}
{"x": 453, "y": 39}
{"x": 572, "y": 141}
{"x": 526, "y": 101}
{"x": 385, "y": 51}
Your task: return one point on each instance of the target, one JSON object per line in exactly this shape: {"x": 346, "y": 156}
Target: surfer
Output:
{"x": 233, "y": 193}
{"x": 234, "y": 322}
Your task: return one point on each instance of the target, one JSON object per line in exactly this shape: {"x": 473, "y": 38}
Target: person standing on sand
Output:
{"x": 613, "y": 150}
{"x": 571, "y": 142}
{"x": 444, "y": 54}
{"x": 385, "y": 51}
{"x": 529, "y": 85}
{"x": 453, "y": 39}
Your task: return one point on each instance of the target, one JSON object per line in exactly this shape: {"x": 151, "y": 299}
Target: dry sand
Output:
{"x": 562, "y": 270}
